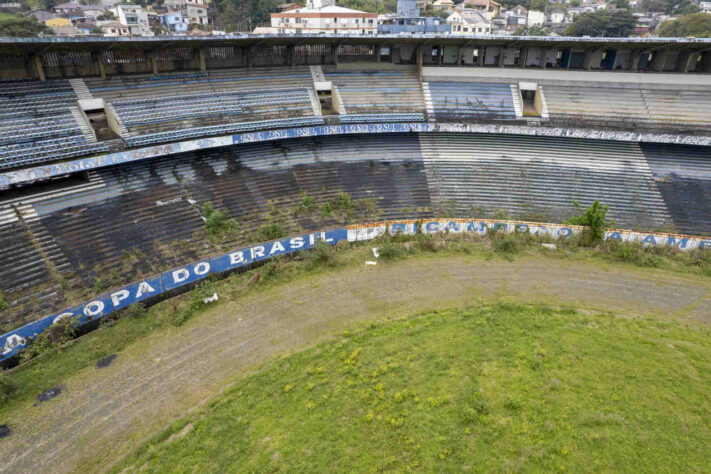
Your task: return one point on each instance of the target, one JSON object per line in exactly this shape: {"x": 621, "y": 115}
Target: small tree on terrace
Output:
{"x": 593, "y": 218}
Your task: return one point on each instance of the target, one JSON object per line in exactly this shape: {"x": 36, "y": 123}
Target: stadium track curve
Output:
{"x": 103, "y": 414}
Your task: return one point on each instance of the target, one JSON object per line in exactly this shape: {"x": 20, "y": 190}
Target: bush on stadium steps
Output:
{"x": 490, "y": 388}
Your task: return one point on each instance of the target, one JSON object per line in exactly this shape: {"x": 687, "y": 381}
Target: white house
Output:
{"x": 468, "y": 21}
{"x": 323, "y": 16}
{"x": 705, "y": 7}
{"x": 135, "y": 18}
{"x": 536, "y": 18}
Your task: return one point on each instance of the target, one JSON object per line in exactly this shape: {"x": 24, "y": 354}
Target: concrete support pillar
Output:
{"x": 291, "y": 54}
{"x": 419, "y": 61}
{"x": 635, "y": 56}
{"x": 683, "y": 61}
{"x": 250, "y": 57}
{"x": 377, "y": 53}
{"x": 459, "y": 56}
{"x": 154, "y": 62}
{"x": 659, "y": 60}
{"x": 523, "y": 56}
{"x": 38, "y": 67}
{"x": 587, "y": 60}
{"x": 480, "y": 57}
{"x": 99, "y": 60}
{"x": 440, "y": 55}
{"x": 502, "y": 57}
{"x": 201, "y": 55}
{"x": 544, "y": 57}
{"x": 334, "y": 54}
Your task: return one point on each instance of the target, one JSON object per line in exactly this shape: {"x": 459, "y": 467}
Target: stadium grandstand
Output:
{"x": 117, "y": 153}
{"x": 110, "y": 147}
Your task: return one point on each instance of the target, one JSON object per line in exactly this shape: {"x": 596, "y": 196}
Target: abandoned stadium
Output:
{"x": 114, "y": 151}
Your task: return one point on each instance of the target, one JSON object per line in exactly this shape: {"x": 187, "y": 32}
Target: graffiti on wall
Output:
{"x": 29, "y": 175}
{"x": 11, "y": 343}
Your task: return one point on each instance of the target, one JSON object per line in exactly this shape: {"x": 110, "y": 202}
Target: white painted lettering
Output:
{"x": 296, "y": 242}
{"x": 257, "y": 251}
{"x": 202, "y": 268}
{"x": 94, "y": 308}
{"x": 236, "y": 258}
{"x": 144, "y": 287}
{"x": 180, "y": 275}
{"x": 276, "y": 247}
{"x": 118, "y": 296}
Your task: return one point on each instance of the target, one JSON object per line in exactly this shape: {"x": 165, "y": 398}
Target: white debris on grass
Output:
{"x": 370, "y": 262}
{"x": 210, "y": 299}
{"x": 375, "y": 252}
{"x": 549, "y": 246}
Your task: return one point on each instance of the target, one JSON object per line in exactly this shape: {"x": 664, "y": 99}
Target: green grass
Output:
{"x": 489, "y": 388}
{"x": 56, "y": 365}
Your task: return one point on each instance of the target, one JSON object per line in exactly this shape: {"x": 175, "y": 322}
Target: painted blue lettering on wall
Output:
{"x": 705, "y": 244}
{"x": 681, "y": 243}
{"x": 398, "y": 228}
{"x": 474, "y": 227}
{"x": 614, "y": 236}
{"x": 432, "y": 227}
{"x": 650, "y": 240}
{"x": 565, "y": 232}
{"x": 500, "y": 226}
{"x": 521, "y": 227}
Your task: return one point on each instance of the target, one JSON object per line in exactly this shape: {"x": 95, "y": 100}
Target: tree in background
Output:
{"x": 534, "y": 30}
{"x": 22, "y": 26}
{"x": 672, "y": 7}
{"x": 619, "y": 23}
{"x": 244, "y": 15}
{"x": 107, "y": 15}
{"x": 696, "y": 24}
{"x": 621, "y": 4}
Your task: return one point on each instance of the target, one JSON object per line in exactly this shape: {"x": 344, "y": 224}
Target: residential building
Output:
{"x": 488, "y": 8}
{"x": 135, "y": 18}
{"x": 705, "y": 7}
{"x": 443, "y": 4}
{"x": 194, "y": 11}
{"x": 467, "y": 21}
{"x": 174, "y": 21}
{"x": 70, "y": 8}
{"x": 535, "y": 18}
{"x": 323, "y": 16}
{"x": 408, "y": 20}
{"x": 556, "y": 17}
{"x": 113, "y": 28}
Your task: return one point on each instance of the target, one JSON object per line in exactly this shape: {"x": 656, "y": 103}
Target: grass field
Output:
{"x": 500, "y": 387}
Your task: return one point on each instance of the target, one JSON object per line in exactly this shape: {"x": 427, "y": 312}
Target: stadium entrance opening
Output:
{"x": 530, "y": 99}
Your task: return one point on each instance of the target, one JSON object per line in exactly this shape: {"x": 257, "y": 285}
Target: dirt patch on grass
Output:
{"x": 103, "y": 414}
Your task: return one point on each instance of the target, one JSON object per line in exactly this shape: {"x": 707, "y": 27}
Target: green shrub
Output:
{"x": 321, "y": 255}
{"x": 3, "y": 303}
{"x": 217, "y": 225}
{"x": 325, "y": 210}
{"x": 6, "y": 389}
{"x": 389, "y": 251}
{"x": 197, "y": 301}
{"x": 593, "y": 218}
{"x": 54, "y": 336}
{"x": 306, "y": 206}
{"x": 628, "y": 252}
{"x": 270, "y": 232}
